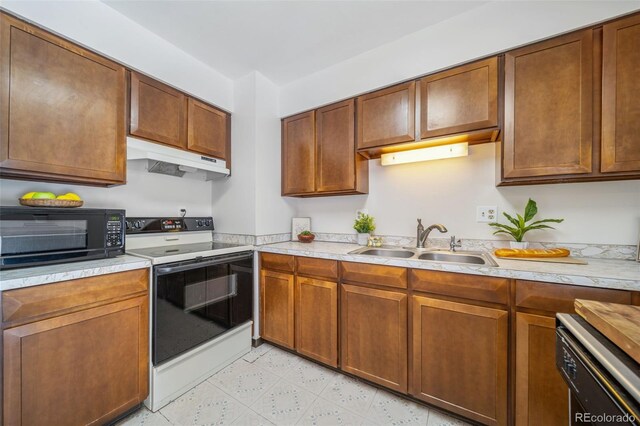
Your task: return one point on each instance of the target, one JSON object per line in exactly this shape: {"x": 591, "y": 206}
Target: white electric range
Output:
{"x": 201, "y": 301}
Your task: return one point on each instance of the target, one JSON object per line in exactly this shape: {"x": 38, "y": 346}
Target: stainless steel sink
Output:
{"x": 371, "y": 251}
{"x": 466, "y": 257}
{"x": 469, "y": 257}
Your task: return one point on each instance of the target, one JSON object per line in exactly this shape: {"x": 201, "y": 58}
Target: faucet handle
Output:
{"x": 454, "y": 243}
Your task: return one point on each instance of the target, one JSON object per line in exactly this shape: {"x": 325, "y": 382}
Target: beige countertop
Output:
{"x": 27, "y": 277}
{"x": 603, "y": 273}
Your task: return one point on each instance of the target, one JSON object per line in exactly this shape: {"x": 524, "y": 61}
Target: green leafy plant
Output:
{"x": 364, "y": 224}
{"x": 520, "y": 223}
{"x": 306, "y": 233}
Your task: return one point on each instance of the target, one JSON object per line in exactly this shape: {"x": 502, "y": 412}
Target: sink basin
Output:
{"x": 472, "y": 258}
{"x": 403, "y": 254}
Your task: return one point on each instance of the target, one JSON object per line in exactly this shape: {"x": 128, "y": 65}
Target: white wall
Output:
{"x": 448, "y": 191}
{"x": 490, "y": 28}
{"x": 101, "y": 28}
{"x": 234, "y": 207}
{"x": 249, "y": 202}
{"x": 145, "y": 194}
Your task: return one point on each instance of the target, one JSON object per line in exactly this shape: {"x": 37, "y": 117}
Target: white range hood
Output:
{"x": 175, "y": 162}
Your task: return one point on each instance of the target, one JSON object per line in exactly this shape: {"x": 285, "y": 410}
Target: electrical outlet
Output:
{"x": 486, "y": 214}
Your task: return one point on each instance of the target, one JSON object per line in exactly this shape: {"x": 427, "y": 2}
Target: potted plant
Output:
{"x": 306, "y": 237}
{"x": 521, "y": 225}
{"x": 364, "y": 226}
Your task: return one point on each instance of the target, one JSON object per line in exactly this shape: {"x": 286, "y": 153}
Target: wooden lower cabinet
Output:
{"x": 459, "y": 358}
{"x": 541, "y": 393}
{"x": 86, "y": 367}
{"x": 316, "y": 318}
{"x": 373, "y": 326}
{"x": 277, "y": 308}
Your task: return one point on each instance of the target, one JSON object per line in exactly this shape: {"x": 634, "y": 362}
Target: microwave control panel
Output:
{"x": 114, "y": 231}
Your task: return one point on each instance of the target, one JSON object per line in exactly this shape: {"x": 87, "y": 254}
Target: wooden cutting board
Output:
{"x": 619, "y": 323}
{"x": 568, "y": 259}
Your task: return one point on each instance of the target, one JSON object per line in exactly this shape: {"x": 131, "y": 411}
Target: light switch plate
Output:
{"x": 486, "y": 214}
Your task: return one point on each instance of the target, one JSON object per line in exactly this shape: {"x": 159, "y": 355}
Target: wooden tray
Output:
{"x": 568, "y": 259}
{"x": 50, "y": 202}
{"x": 619, "y": 323}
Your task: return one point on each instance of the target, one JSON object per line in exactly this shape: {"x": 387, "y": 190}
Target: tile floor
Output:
{"x": 269, "y": 386}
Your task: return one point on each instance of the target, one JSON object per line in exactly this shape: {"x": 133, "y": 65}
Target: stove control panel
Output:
{"x": 146, "y": 225}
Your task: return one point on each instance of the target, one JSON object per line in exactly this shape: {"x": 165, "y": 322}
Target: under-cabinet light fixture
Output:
{"x": 426, "y": 154}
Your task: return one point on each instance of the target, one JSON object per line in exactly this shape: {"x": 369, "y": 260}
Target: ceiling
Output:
{"x": 283, "y": 40}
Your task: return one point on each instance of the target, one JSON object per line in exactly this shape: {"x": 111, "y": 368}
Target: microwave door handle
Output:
{"x": 197, "y": 265}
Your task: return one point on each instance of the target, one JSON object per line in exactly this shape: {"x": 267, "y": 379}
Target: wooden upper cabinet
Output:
{"x": 338, "y": 166}
{"x": 62, "y": 109}
{"x": 461, "y": 99}
{"x": 548, "y": 108}
{"x": 277, "y": 308}
{"x": 209, "y": 130}
{"x": 157, "y": 112}
{"x": 298, "y": 154}
{"x": 621, "y": 96}
{"x": 373, "y": 329}
{"x": 316, "y": 312}
{"x": 387, "y": 116}
{"x": 459, "y": 354}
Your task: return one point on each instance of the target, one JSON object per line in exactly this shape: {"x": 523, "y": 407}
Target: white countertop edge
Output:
{"x": 590, "y": 279}
{"x": 28, "y": 277}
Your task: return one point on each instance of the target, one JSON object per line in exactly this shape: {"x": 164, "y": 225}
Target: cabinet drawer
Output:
{"x": 29, "y": 304}
{"x": 278, "y": 262}
{"x": 560, "y": 298}
{"x": 390, "y": 276}
{"x": 476, "y": 287}
{"x": 324, "y": 268}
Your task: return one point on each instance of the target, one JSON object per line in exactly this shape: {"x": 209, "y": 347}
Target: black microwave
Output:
{"x": 43, "y": 236}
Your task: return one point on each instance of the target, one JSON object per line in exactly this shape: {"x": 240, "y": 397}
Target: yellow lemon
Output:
{"x": 28, "y": 195}
{"x": 63, "y": 197}
{"x": 72, "y": 196}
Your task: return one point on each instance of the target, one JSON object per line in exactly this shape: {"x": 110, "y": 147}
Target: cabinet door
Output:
{"x": 335, "y": 147}
{"x": 387, "y": 116}
{"x": 541, "y": 393}
{"x": 460, "y": 358}
{"x": 620, "y": 94}
{"x": 62, "y": 109}
{"x": 277, "y": 308}
{"x": 157, "y": 112}
{"x": 373, "y": 326}
{"x": 459, "y": 100}
{"x": 298, "y": 154}
{"x": 83, "y": 368}
{"x": 209, "y": 131}
{"x": 317, "y": 319}
{"x": 548, "y": 115}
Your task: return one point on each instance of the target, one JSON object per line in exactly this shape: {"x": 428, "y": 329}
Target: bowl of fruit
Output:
{"x": 49, "y": 199}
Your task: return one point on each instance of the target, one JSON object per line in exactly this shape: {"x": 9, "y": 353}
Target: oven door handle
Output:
{"x": 197, "y": 265}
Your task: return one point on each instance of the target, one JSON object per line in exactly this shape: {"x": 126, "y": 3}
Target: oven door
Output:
{"x": 198, "y": 300}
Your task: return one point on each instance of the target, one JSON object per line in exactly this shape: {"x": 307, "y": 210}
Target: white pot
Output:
{"x": 363, "y": 239}
{"x": 519, "y": 245}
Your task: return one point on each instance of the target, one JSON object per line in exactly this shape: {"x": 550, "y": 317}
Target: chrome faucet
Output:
{"x": 454, "y": 243}
{"x": 422, "y": 233}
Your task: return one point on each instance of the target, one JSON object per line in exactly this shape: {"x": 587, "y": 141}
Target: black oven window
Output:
{"x": 34, "y": 236}
{"x": 194, "y": 306}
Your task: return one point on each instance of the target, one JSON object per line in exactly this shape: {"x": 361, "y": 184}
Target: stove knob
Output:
{"x": 207, "y": 222}
{"x": 199, "y": 223}
{"x": 136, "y": 224}
{"x": 128, "y": 224}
